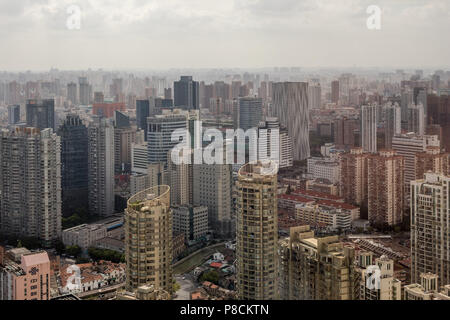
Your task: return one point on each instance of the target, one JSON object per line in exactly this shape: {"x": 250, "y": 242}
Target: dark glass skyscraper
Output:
{"x": 74, "y": 165}
{"x": 41, "y": 113}
{"x": 186, "y": 93}
{"x": 142, "y": 113}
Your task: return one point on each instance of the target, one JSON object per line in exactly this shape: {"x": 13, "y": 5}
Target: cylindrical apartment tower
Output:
{"x": 148, "y": 239}
{"x": 257, "y": 231}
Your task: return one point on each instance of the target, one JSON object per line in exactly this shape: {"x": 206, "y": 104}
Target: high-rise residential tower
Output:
{"x": 369, "y": 128}
{"x": 148, "y": 239}
{"x": 430, "y": 217}
{"x": 385, "y": 188}
{"x": 101, "y": 167}
{"x": 30, "y": 184}
{"x": 257, "y": 232}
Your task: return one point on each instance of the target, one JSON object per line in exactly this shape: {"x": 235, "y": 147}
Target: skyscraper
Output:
{"x": 290, "y": 106}
{"x": 212, "y": 189}
{"x": 392, "y": 124}
{"x": 148, "y": 239}
{"x": 41, "y": 113}
{"x": 84, "y": 91}
{"x": 335, "y": 92}
{"x": 369, "y": 128}
{"x": 13, "y": 114}
{"x": 72, "y": 92}
{"x": 186, "y": 93}
{"x": 30, "y": 184}
{"x": 74, "y": 165}
{"x": 353, "y": 184}
{"x": 315, "y": 96}
{"x": 250, "y": 112}
{"x": 101, "y": 167}
{"x": 430, "y": 241}
{"x": 313, "y": 268}
{"x": 385, "y": 188}
{"x": 142, "y": 113}
{"x": 257, "y": 232}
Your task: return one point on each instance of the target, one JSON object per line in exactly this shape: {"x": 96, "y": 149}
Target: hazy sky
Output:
{"x": 222, "y": 33}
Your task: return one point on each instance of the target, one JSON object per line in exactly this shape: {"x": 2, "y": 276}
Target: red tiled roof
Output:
{"x": 315, "y": 194}
{"x": 216, "y": 265}
{"x": 334, "y": 204}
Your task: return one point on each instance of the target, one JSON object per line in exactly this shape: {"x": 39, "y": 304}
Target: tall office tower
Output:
{"x": 392, "y": 125}
{"x": 84, "y": 91}
{"x": 353, "y": 168}
{"x": 369, "y": 128}
{"x": 72, "y": 93}
{"x": 388, "y": 287}
{"x": 236, "y": 89}
{"x": 142, "y": 113}
{"x": 274, "y": 138}
{"x": 430, "y": 216}
{"x": 250, "y": 112}
{"x": 407, "y": 145}
{"x": 212, "y": 188}
{"x": 313, "y": 268}
{"x": 148, "y": 239}
{"x": 124, "y": 138}
{"x": 14, "y": 93}
{"x": 416, "y": 119}
{"x": 190, "y": 220}
{"x": 24, "y": 275}
{"x": 344, "y": 133}
{"x": 101, "y": 167}
{"x": 139, "y": 158}
{"x": 432, "y": 160}
{"x": 74, "y": 165}
{"x": 186, "y": 93}
{"x": 315, "y": 96}
{"x": 41, "y": 113}
{"x": 290, "y": 106}
{"x": 30, "y": 177}
{"x": 385, "y": 188}
{"x": 160, "y": 129}
{"x": 335, "y": 91}
{"x": 178, "y": 180}
{"x": 257, "y": 232}
{"x": 439, "y": 114}
{"x": 13, "y": 114}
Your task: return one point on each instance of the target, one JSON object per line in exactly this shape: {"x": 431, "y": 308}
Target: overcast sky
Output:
{"x": 163, "y": 34}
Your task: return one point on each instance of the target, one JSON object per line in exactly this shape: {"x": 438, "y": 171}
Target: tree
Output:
{"x": 211, "y": 276}
{"x": 74, "y": 251}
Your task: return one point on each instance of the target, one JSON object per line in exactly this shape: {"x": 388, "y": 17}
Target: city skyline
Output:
{"x": 299, "y": 33}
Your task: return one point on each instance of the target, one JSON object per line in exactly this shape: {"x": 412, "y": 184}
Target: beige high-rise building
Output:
{"x": 428, "y": 289}
{"x": 353, "y": 184}
{"x": 430, "y": 219}
{"x": 314, "y": 268}
{"x": 407, "y": 146}
{"x": 257, "y": 232}
{"x": 148, "y": 239}
{"x": 385, "y": 188}
{"x": 432, "y": 160}
{"x": 386, "y": 287}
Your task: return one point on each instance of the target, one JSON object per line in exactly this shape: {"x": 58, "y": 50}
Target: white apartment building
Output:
{"x": 324, "y": 168}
